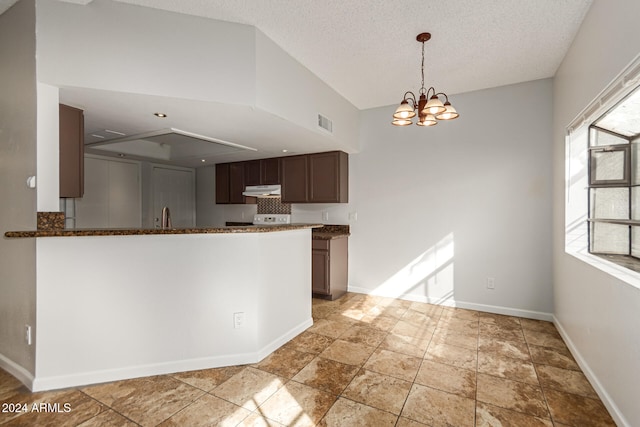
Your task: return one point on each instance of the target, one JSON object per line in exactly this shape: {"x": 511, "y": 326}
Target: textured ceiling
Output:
{"x": 366, "y": 49}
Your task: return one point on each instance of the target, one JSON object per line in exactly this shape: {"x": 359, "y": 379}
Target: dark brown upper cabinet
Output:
{"x": 236, "y": 182}
{"x": 252, "y": 175}
{"x": 230, "y": 183}
{"x": 316, "y": 178}
{"x": 270, "y": 171}
{"x": 262, "y": 172}
{"x": 222, "y": 183}
{"x": 307, "y": 178}
{"x": 71, "y": 122}
{"x": 329, "y": 177}
{"x": 295, "y": 179}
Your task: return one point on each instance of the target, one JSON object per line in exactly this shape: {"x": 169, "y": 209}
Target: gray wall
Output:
{"x": 441, "y": 209}
{"x": 17, "y": 162}
{"x": 598, "y": 313}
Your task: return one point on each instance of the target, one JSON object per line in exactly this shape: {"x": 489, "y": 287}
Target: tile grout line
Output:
{"x": 544, "y": 395}
{"x": 106, "y": 406}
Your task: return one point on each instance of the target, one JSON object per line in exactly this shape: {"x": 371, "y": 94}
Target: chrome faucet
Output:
{"x": 166, "y": 218}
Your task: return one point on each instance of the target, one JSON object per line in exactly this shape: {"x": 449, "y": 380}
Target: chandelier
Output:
{"x": 430, "y": 108}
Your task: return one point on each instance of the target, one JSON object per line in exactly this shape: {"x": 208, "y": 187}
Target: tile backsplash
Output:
{"x": 273, "y": 205}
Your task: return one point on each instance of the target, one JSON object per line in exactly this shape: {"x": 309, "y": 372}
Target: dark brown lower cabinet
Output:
{"x": 329, "y": 271}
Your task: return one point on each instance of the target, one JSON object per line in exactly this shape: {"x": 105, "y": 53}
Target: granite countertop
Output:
{"x": 329, "y": 232}
{"x": 154, "y": 231}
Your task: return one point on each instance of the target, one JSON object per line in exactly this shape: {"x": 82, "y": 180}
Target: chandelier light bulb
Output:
{"x": 449, "y": 113}
{"x": 401, "y": 122}
{"x": 427, "y": 120}
{"x": 434, "y": 106}
{"x": 404, "y": 111}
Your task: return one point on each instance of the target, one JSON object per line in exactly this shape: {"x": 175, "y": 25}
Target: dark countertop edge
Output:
{"x": 156, "y": 231}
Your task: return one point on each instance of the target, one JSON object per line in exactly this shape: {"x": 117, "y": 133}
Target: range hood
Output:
{"x": 262, "y": 191}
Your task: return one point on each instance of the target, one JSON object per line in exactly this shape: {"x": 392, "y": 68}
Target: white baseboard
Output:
{"x": 450, "y": 302}
{"x": 608, "y": 402}
{"x": 102, "y": 376}
{"x": 108, "y": 375}
{"x": 23, "y": 375}
{"x": 507, "y": 311}
{"x": 283, "y": 339}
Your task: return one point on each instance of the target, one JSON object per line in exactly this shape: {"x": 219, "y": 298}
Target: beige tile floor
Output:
{"x": 366, "y": 361}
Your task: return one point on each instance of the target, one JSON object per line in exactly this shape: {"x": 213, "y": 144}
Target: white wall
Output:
{"x": 207, "y": 212}
{"x": 48, "y": 178}
{"x": 442, "y": 209}
{"x": 114, "y": 46}
{"x": 287, "y": 89}
{"x": 598, "y": 314}
{"x": 168, "y": 301}
{"x": 18, "y": 117}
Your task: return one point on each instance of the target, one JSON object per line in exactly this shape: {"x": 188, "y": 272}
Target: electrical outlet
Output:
{"x": 27, "y": 334}
{"x": 325, "y": 216}
{"x": 238, "y": 320}
{"x": 491, "y": 283}
{"x": 353, "y": 216}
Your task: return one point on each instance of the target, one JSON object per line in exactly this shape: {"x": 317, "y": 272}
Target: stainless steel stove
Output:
{"x": 271, "y": 219}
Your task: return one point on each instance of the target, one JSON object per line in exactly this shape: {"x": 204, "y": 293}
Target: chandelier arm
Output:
{"x": 412, "y": 98}
{"x": 431, "y": 89}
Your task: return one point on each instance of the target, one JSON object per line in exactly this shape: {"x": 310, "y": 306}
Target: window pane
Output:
{"x": 609, "y": 238}
{"x": 607, "y": 165}
{"x": 635, "y": 203}
{"x": 598, "y": 138}
{"x": 609, "y": 203}
{"x": 635, "y": 241}
{"x": 635, "y": 162}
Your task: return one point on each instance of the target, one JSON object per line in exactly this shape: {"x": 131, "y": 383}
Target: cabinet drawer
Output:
{"x": 320, "y": 244}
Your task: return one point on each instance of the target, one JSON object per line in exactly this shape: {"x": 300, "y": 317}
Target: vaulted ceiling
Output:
{"x": 366, "y": 50}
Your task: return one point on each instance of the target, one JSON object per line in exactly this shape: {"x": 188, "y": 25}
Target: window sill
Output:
{"x": 619, "y": 272}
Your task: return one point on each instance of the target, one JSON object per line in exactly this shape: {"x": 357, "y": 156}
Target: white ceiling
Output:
{"x": 366, "y": 49}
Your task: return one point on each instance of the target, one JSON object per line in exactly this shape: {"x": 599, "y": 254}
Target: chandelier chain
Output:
{"x": 422, "y": 89}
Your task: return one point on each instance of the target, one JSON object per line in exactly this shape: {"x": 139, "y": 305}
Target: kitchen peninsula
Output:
{"x": 117, "y": 304}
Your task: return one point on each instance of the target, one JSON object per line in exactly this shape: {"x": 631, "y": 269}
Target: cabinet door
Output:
{"x": 236, "y": 182}
{"x": 328, "y": 177}
{"x": 71, "y": 151}
{"x": 294, "y": 179}
{"x": 270, "y": 169}
{"x": 252, "y": 175}
{"x": 222, "y": 183}
{"x": 320, "y": 272}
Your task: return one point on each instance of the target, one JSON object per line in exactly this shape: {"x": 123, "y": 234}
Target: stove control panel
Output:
{"x": 271, "y": 219}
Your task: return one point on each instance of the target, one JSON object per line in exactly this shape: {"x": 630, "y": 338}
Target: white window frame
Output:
{"x": 577, "y": 176}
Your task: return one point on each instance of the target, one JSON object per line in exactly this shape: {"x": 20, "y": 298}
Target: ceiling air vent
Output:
{"x": 325, "y": 123}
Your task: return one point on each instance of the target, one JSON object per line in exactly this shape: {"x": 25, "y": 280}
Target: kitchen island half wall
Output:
{"x": 125, "y": 306}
